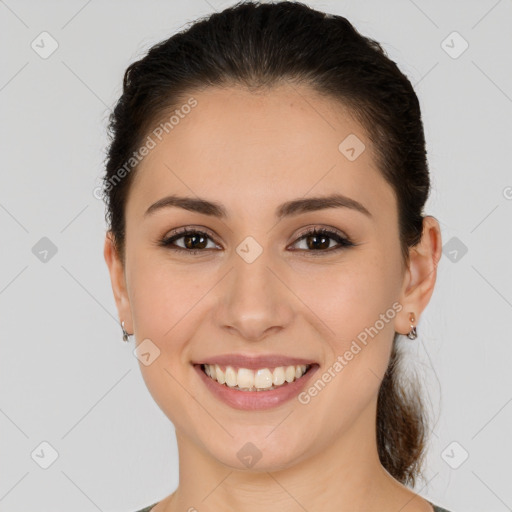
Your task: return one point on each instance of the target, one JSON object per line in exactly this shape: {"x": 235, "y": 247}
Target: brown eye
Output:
{"x": 319, "y": 240}
{"x": 194, "y": 241}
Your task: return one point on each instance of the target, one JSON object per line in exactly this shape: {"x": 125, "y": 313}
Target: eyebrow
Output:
{"x": 286, "y": 209}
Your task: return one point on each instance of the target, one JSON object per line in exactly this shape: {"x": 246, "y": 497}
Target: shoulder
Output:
{"x": 438, "y": 509}
{"x": 147, "y": 509}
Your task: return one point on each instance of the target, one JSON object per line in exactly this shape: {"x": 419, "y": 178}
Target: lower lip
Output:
{"x": 256, "y": 400}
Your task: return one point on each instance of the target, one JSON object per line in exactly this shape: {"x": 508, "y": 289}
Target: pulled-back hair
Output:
{"x": 258, "y": 46}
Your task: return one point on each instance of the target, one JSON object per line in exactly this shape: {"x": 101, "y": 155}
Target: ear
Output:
{"x": 420, "y": 276}
{"x": 118, "y": 281}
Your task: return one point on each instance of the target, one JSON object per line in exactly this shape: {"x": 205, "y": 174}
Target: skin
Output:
{"x": 252, "y": 152}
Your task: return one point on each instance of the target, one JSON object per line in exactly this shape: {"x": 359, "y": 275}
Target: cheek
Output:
{"x": 351, "y": 296}
{"x": 357, "y": 306}
{"x": 358, "y": 302}
{"x": 346, "y": 297}
{"x": 162, "y": 297}
{"x": 161, "y": 293}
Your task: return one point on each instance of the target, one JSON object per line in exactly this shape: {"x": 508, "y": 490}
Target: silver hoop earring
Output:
{"x": 412, "y": 334}
{"x": 125, "y": 334}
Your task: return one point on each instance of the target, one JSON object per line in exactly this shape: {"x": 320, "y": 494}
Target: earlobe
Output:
{"x": 118, "y": 281}
{"x": 421, "y": 274}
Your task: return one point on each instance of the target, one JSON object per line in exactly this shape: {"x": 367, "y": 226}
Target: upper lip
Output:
{"x": 254, "y": 362}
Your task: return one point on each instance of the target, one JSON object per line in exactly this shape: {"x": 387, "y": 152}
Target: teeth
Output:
{"x": 290, "y": 373}
{"x": 262, "y": 379}
{"x": 259, "y": 380}
{"x": 245, "y": 378}
{"x": 231, "y": 377}
{"x": 278, "y": 377}
{"x": 219, "y": 374}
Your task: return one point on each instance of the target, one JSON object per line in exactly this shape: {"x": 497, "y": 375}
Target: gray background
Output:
{"x": 66, "y": 377}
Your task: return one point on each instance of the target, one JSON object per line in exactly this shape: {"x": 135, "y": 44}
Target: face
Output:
{"x": 258, "y": 284}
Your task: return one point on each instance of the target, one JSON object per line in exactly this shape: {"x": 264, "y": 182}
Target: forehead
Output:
{"x": 251, "y": 149}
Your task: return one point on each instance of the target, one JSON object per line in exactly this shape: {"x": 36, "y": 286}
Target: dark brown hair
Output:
{"x": 258, "y": 46}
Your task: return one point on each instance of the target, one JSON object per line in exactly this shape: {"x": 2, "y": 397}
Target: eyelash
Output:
{"x": 344, "y": 242}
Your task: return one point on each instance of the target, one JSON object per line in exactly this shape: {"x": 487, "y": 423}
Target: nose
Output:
{"x": 255, "y": 300}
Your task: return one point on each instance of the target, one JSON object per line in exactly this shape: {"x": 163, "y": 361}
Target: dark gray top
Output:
{"x": 436, "y": 508}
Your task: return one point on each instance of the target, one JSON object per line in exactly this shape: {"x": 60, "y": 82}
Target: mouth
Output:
{"x": 255, "y": 380}
{"x": 253, "y": 389}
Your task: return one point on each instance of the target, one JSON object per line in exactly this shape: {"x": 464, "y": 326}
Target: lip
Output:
{"x": 256, "y": 400}
{"x": 254, "y": 362}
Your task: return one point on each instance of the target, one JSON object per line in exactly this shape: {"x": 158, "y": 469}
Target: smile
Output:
{"x": 254, "y": 389}
{"x": 245, "y": 379}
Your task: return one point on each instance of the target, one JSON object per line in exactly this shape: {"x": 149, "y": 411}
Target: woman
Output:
{"x": 267, "y": 249}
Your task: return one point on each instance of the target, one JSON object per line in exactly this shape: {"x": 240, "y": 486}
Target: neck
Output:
{"x": 342, "y": 476}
